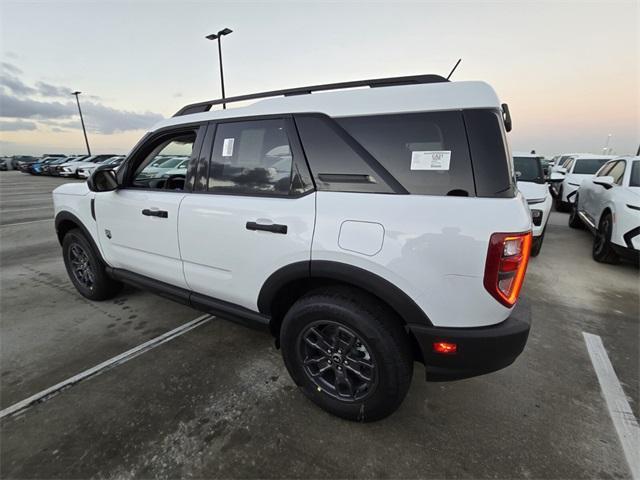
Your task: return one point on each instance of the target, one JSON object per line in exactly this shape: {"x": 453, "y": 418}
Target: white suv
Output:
{"x": 609, "y": 205}
{"x": 365, "y": 229}
{"x": 533, "y": 185}
{"x": 572, "y": 173}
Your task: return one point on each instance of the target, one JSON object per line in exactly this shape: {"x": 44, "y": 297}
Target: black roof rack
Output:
{"x": 373, "y": 83}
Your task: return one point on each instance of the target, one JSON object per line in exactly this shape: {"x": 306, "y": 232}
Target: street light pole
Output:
{"x": 84, "y": 130}
{"x": 218, "y": 36}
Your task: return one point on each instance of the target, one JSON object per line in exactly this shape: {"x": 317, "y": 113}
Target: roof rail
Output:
{"x": 373, "y": 83}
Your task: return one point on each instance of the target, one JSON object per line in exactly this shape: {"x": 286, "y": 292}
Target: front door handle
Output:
{"x": 155, "y": 213}
{"x": 272, "y": 227}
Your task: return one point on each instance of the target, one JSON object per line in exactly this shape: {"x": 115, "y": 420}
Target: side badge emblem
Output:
{"x": 108, "y": 234}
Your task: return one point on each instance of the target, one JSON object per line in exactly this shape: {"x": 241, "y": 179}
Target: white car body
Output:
{"x": 440, "y": 233}
{"x": 573, "y": 179}
{"x": 617, "y": 194}
{"x": 531, "y": 183}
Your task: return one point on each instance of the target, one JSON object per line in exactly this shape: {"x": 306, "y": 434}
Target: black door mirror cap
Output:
{"x": 103, "y": 180}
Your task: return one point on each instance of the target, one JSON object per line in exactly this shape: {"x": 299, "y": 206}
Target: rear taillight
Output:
{"x": 507, "y": 260}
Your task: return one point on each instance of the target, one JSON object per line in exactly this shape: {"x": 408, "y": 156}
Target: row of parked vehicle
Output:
{"x": 76, "y": 166}
{"x": 73, "y": 166}
{"x": 601, "y": 192}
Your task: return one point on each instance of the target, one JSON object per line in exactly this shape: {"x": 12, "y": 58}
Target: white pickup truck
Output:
{"x": 364, "y": 228}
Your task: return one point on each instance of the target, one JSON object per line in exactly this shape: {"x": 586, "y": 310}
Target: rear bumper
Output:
{"x": 479, "y": 350}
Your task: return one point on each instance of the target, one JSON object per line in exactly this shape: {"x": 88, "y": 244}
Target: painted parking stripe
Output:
{"x": 48, "y": 393}
{"x": 619, "y": 409}
{"x": 26, "y": 223}
{"x": 14, "y": 210}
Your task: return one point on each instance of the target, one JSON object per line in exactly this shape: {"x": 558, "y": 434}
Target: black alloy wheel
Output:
{"x": 337, "y": 361}
{"x": 81, "y": 266}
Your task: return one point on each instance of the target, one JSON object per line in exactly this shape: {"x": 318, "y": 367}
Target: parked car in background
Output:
{"x": 532, "y": 183}
{"x": 572, "y": 173}
{"x": 24, "y": 164}
{"x": 70, "y": 169}
{"x": 50, "y": 168}
{"x": 6, "y": 164}
{"x": 559, "y": 167}
{"x": 609, "y": 206}
{"x": 36, "y": 168}
{"x": 54, "y": 169}
{"x": 113, "y": 162}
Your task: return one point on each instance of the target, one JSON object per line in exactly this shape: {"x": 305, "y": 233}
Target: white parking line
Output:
{"x": 104, "y": 366}
{"x": 47, "y": 207}
{"x": 26, "y": 223}
{"x": 619, "y": 409}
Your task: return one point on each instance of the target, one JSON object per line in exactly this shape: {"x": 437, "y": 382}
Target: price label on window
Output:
{"x": 431, "y": 160}
{"x": 227, "y": 147}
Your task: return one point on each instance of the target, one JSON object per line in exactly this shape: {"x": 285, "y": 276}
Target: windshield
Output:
{"x": 589, "y": 166}
{"x": 528, "y": 169}
{"x": 634, "y": 180}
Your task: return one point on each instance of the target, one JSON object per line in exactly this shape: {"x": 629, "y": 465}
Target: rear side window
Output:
{"x": 492, "y": 165}
{"x": 426, "y": 152}
{"x": 337, "y": 162}
{"x": 634, "y": 179}
{"x": 251, "y": 157}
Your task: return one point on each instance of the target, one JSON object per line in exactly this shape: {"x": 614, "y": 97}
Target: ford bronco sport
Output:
{"x": 365, "y": 228}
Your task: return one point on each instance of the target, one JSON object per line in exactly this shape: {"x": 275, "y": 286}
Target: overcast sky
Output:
{"x": 570, "y": 71}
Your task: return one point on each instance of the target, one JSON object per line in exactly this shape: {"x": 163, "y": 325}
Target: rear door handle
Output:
{"x": 273, "y": 227}
{"x": 155, "y": 213}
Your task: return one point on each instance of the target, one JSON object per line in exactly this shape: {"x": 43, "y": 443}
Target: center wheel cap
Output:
{"x": 337, "y": 358}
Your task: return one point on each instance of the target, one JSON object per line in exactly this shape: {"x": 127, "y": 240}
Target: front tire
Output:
{"x": 85, "y": 269}
{"x": 348, "y": 353}
{"x": 603, "y": 251}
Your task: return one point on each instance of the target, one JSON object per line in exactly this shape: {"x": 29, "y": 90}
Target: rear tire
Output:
{"x": 536, "y": 245}
{"x": 574, "y": 218}
{"x": 603, "y": 251}
{"x": 85, "y": 268}
{"x": 560, "y": 205}
{"x": 348, "y": 353}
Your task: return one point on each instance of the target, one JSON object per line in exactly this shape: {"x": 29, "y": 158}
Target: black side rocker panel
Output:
{"x": 196, "y": 300}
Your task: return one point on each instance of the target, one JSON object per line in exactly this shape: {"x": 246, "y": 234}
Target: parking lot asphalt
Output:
{"x": 217, "y": 401}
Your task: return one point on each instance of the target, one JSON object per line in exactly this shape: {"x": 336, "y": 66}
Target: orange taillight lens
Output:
{"x": 507, "y": 260}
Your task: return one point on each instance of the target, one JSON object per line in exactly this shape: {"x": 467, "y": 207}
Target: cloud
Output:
{"x": 47, "y": 90}
{"x": 103, "y": 119}
{"x": 16, "y": 125}
{"x": 19, "y": 101}
{"x": 14, "y": 107}
{"x": 16, "y": 86}
{"x": 10, "y": 68}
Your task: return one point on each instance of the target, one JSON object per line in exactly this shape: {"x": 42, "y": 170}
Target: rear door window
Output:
{"x": 426, "y": 152}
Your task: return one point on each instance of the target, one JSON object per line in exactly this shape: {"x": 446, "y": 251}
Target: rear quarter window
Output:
{"x": 426, "y": 152}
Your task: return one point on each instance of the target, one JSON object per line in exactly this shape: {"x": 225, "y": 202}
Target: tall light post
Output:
{"x": 84, "y": 130}
{"x": 218, "y": 36}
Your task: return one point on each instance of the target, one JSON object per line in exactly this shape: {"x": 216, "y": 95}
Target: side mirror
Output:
{"x": 102, "y": 181}
{"x": 556, "y": 177}
{"x": 606, "y": 181}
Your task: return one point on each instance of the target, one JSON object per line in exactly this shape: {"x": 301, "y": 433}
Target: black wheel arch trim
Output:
{"x": 389, "y": 293}
{"x": 70, "y": 217}
{"x": 630, "y": 235}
